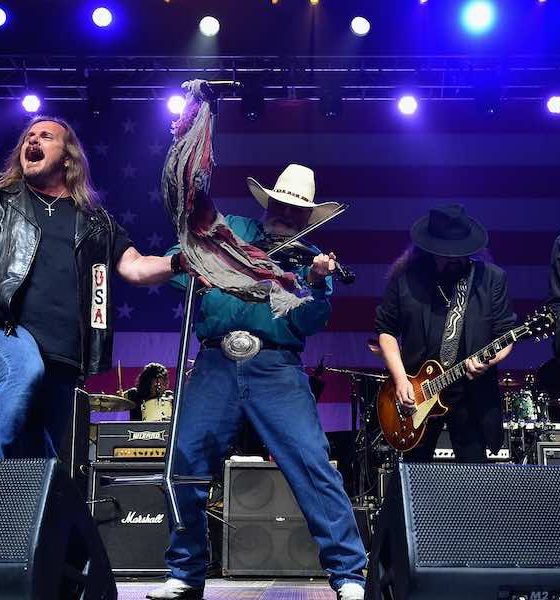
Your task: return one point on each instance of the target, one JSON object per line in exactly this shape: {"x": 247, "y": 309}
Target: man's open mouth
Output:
{"x": 34, "y": 154}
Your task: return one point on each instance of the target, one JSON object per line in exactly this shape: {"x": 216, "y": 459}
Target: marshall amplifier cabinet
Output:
{"x": 132, "y": 440}
{"x": 132, "y": 520}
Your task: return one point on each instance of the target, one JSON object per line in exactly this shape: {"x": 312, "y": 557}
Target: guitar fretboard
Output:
{"x": 487, "y": 353}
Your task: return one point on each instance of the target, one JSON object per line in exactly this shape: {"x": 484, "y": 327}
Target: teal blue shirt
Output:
{"x": 220, "y": 312}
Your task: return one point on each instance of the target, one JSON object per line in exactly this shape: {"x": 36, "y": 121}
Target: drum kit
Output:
{"x": 156, "y": 409}
{"x": 533, "y": 402}
{"x": 531, "y": 409}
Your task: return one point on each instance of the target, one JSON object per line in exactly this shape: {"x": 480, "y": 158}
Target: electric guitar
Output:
{"x": 404, "y": 430}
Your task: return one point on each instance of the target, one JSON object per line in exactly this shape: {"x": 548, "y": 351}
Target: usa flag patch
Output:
{"x": 99, "y": 296}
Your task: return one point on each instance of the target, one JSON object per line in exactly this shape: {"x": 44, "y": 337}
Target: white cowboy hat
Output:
{"x": 295, "y": 186}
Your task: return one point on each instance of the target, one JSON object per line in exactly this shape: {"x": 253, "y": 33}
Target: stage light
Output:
{"x": 176, "y": 103}
{"x": 360, "y": 26}
{"x": 102, "y": 17}
{"x": 3, "y": 17}
{"x": 209, "y": 26}
{"x": 478, "y": 17}
{"x": 31, "y": 103}
{"x": 423, "y": 1}
{"x": 408, "y": 105}
{"x": 553, "y": 105}
{"x": 313, "y": 2}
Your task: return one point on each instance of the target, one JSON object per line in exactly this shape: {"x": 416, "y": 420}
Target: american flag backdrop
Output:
{"x": 504, "y": 168}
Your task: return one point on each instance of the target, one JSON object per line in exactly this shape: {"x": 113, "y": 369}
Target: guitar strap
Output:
{"x": 455, "y": 320}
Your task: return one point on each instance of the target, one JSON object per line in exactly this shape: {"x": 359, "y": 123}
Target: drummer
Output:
{"x": 152, "y": 382}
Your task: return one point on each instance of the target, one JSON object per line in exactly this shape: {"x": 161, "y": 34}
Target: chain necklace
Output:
{"x": 443, "y": 295}
{"x": 48, "y": 205}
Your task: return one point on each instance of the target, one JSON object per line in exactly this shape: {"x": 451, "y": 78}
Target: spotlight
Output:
{"x": 176, "y": 103}
{"x": 478, "y": 17}
{"x": 3, "y": 17}
{"x": 209, "y": 26}
{"x": 360, "y": 26}
{"x": 553, "y": 105}
{"x": 102, "y": 17}
{"x": 407, "y": 104}
{"x": 31, "y": 103}
{"x": 313, "y": 2}
{"x": 423, "y": 1}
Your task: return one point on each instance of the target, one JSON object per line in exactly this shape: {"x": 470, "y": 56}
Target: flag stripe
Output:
{"x": 417, "y": 149}
{"x": 360, "y": 116}
{"x": 376, "y": 181}
{"x": 399, "y": 213}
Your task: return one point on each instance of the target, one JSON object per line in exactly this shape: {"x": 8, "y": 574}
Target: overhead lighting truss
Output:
{"x": 141, "y": 78}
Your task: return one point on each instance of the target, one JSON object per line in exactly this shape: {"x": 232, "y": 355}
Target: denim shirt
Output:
{"x": 220, "y": 312}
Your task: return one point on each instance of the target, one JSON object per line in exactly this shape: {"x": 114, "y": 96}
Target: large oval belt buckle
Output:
{"x": 240, "y": 345}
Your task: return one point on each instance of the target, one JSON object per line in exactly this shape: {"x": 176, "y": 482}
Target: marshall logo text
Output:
{"x": 135, "y": 518}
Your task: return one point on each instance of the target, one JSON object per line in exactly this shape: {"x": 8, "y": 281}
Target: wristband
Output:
{"x": 176, "y": 263}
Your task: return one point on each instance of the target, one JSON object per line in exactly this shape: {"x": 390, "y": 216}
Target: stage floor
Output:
{"x": 223, "y": 589}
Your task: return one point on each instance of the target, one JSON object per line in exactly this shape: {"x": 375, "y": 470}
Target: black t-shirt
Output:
{"x": 48, "y": 300}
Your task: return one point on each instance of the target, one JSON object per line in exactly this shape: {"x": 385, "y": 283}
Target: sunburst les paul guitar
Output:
{"x": 405, "y": 429}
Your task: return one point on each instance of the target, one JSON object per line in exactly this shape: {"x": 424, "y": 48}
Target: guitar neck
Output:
{"x": 455, "y": 373}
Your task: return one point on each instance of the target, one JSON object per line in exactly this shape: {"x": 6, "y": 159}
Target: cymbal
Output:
{"x": 107, "y": 402}
{"x": 508, "y": 381}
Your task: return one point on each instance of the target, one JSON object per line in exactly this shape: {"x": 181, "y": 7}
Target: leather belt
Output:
{"x": 242, "y": 345}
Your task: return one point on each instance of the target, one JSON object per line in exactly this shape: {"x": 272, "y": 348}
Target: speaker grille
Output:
{"x": 468, "y": 515}
{"x": 21, "y": 484}
{"x": 271, "y": 537}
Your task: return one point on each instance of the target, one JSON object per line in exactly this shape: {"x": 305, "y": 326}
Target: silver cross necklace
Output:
{"x": 48, "y": 205}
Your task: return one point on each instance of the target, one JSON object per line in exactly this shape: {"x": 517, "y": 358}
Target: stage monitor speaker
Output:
{"x": 49, "y": 546}
{"x": 467, "y": 531}
{"x": 271, "y": 538}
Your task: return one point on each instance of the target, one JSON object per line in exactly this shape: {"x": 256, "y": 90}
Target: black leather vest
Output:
{"x": 93, "y": 245}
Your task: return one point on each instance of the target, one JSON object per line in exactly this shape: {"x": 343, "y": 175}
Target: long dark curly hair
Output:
{"x": 148, "y": 377}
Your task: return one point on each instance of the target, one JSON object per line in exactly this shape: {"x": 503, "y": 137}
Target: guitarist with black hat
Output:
{"x": 445, "y": 302}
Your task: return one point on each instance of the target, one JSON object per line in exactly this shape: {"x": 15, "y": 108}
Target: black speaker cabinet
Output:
{"x": 49, "y": 546}
{"x": 271, "y": 538}
{"x": 132, "y": 519}
{"x": 74, "y": 452}
{"x": 467, "y": 531}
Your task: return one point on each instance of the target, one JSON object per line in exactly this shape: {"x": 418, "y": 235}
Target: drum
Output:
{"x": 528, "y": 406}
{"x": 157, "y": 409}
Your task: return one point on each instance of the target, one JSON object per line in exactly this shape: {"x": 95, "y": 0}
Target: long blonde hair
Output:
{"x": 78, "y": 177}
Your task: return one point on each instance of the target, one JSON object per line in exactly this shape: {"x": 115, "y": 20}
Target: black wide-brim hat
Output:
{"x": 448, "y": 231}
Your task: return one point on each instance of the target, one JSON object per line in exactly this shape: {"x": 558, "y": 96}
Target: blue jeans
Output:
{"x": 35, "y": 401}
{"x": 272, "y": 391}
